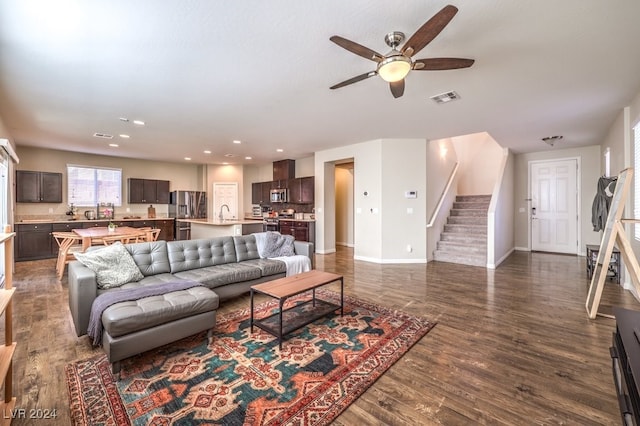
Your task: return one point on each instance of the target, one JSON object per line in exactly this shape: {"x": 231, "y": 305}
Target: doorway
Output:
{"x": 553, "y": 213}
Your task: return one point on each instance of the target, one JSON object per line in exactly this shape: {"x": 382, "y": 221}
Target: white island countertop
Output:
{"x": 211, "y": 228}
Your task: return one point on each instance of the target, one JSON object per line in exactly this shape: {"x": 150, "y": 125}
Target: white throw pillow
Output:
{"x": 112, "y": 264}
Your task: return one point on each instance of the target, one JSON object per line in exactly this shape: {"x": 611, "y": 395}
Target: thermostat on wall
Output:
{"x": 410, "y": 194}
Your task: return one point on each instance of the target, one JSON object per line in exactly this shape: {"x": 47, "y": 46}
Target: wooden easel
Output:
{"x": 613, "y": 233}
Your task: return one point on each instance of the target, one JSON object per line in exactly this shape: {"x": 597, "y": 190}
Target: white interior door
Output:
{"x": 225, "y": 193}
{"x": 554, "y": 206}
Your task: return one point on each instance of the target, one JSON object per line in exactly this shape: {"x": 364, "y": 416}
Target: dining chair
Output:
{"x": 124, "y": 239}
{"x": 68, "y": 243}
{"x": 154, "y": 234}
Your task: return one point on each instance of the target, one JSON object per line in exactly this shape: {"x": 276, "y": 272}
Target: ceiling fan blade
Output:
{"x": 356, "y": 48}
{"x": 436, "y": 64}
{"x": 354, "y": 80}
{"x": 427, "y": 32}
{"x": 397, "y": 88}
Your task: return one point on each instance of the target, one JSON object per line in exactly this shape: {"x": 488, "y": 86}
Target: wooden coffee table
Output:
{"x": 285, "y": 321}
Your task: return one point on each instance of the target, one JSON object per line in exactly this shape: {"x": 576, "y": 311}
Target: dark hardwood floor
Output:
{"x": 512, "y": 345}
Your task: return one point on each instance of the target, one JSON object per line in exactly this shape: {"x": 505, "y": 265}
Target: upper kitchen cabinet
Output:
{"x": 143, "y": 191}
{"x": 302, "y": 190}
{"x": 260, "y": 192}
{"x": 284, "y": 169}
{"x": 38, "y": 187}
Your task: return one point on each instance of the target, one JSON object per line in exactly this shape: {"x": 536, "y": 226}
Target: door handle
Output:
{"x": 533, "y": 211}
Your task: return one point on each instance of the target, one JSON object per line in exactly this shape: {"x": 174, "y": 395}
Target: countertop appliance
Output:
{"x": 272, "y": 223}
{"x": 279, "y": 195}
{"x": 186, "y": 205}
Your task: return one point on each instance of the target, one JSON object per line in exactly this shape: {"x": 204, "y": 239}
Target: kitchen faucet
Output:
{"x": 221, "y": 216}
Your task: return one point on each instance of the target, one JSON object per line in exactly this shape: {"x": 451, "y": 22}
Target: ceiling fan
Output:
{"x": 395, "y": 65}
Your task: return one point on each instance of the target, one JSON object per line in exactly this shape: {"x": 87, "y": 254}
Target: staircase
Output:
{"x": 464, "y": 239}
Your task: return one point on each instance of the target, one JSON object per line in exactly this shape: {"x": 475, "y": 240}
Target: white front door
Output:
{"x": 554, "y": 206}
{"x": 225, "y": 193}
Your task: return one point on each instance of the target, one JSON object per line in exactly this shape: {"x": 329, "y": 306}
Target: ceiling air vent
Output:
{"x": 102, "y": 135}
{"x": 443, "y": 98}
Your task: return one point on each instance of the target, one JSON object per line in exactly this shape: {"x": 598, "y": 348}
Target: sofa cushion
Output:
{"x": 151, "y": 258}
{"x": 219, "y": 275}
{"x": 246, "y": 247}
{"x": 268, "y": 266}
{"x": 113, "y": 265}
{"x": 185, "y": 255}
{"x": 127, "y": 317}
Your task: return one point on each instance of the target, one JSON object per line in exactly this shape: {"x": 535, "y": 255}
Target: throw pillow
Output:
{"x": 113, "y": 265}
{"x": 277, "y": 245}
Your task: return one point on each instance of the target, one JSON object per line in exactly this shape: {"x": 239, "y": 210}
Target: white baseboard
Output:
{"x": 328, "y": 251}
{"x": 378, "y": 260}
{"x": 522, "y": 249}
{"x": 342, "y": 243}
{"x": 502, "y": 259}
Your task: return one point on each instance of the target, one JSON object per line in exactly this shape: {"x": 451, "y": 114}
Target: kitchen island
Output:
{"x": 201, "y": 228}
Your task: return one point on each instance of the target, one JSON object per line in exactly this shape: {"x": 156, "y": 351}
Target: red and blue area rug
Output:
{"x": 242, "y": 378}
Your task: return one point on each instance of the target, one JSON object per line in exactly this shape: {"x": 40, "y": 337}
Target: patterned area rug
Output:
{"x": 244, "y": 379}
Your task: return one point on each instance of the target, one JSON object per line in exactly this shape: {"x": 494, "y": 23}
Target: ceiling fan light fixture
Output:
{"x": 394, "y": 68}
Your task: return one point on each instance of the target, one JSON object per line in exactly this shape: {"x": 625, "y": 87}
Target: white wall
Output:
{"x": 404, "y": 220}
{"x": 441, "y": 161}
{"x": 383, "y": 169}
{"x": 588, "y": 182}
{"x": 500, "y": 232}
{"x": 480, "y": 158}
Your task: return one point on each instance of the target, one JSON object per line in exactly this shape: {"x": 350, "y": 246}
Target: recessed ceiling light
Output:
{"x": 225, "y": 164}
{"x": 138, "y": 122}
{"x": 125, "y": 119}
{"x": 237, "y": 142}
{"x": 279, "y": 150}
{"x": 247, "y": 158}
{"x": 187, "y": 158}
{"x": 123, "y": 136}
{"x": 206, "y": 151}
{"x": 229, "y": 155}
{"x": 114, "y": 145}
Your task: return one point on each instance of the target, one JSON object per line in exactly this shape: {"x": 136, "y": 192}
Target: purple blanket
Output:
{"x": 109, "y": 298}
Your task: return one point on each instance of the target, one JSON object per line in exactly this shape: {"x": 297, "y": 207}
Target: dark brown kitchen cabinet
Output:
{"x": 151, "y": 191}
{"x": 166, "y": 229}
{"x": 284, "y": 170}
{"x": 33, "y": 242}
{"x": 38, "y": 187}
{"x": 302, "y": 190}
{"x": 301, "y": 230}
{"x": 260, "y": 192}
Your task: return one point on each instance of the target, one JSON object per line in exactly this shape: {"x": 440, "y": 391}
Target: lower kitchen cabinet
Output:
{"x": 301, "y": 231}
{"x": 33, "y": 242}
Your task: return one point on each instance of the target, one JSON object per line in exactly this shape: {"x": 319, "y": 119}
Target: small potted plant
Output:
{"x": 112, "y": 226}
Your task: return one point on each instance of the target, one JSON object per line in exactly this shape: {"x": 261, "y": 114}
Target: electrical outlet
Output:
{"x": 50, "y": 210}
{"x": 128, "y": 210}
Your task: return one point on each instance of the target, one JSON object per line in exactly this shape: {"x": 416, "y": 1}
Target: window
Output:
{"x": 89, "y": 186}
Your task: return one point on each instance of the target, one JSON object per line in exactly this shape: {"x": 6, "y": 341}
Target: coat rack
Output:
{"x": 613, "y": 233}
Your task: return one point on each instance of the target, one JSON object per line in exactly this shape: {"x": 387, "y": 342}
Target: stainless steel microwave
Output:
{"x": 280, "y": 195}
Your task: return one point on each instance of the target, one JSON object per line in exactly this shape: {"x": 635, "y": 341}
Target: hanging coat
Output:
{"x": 602, "y": 202}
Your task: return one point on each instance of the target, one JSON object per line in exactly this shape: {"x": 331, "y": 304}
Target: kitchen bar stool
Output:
{"x": 68, "y": 243}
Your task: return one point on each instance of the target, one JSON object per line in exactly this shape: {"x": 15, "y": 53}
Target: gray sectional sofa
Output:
{"x": 221, "y": 268}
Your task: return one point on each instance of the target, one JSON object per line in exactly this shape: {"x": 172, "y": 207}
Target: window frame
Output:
{"x": 97, "y": 192}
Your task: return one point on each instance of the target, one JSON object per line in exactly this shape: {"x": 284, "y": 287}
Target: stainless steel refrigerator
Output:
{"x": 186, "y": 205}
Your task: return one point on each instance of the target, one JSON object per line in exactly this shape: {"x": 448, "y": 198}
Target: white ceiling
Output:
{"x": 202, "y": 73}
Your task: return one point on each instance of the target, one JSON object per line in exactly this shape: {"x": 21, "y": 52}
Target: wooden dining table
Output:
{"x": 89, "y": 235}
